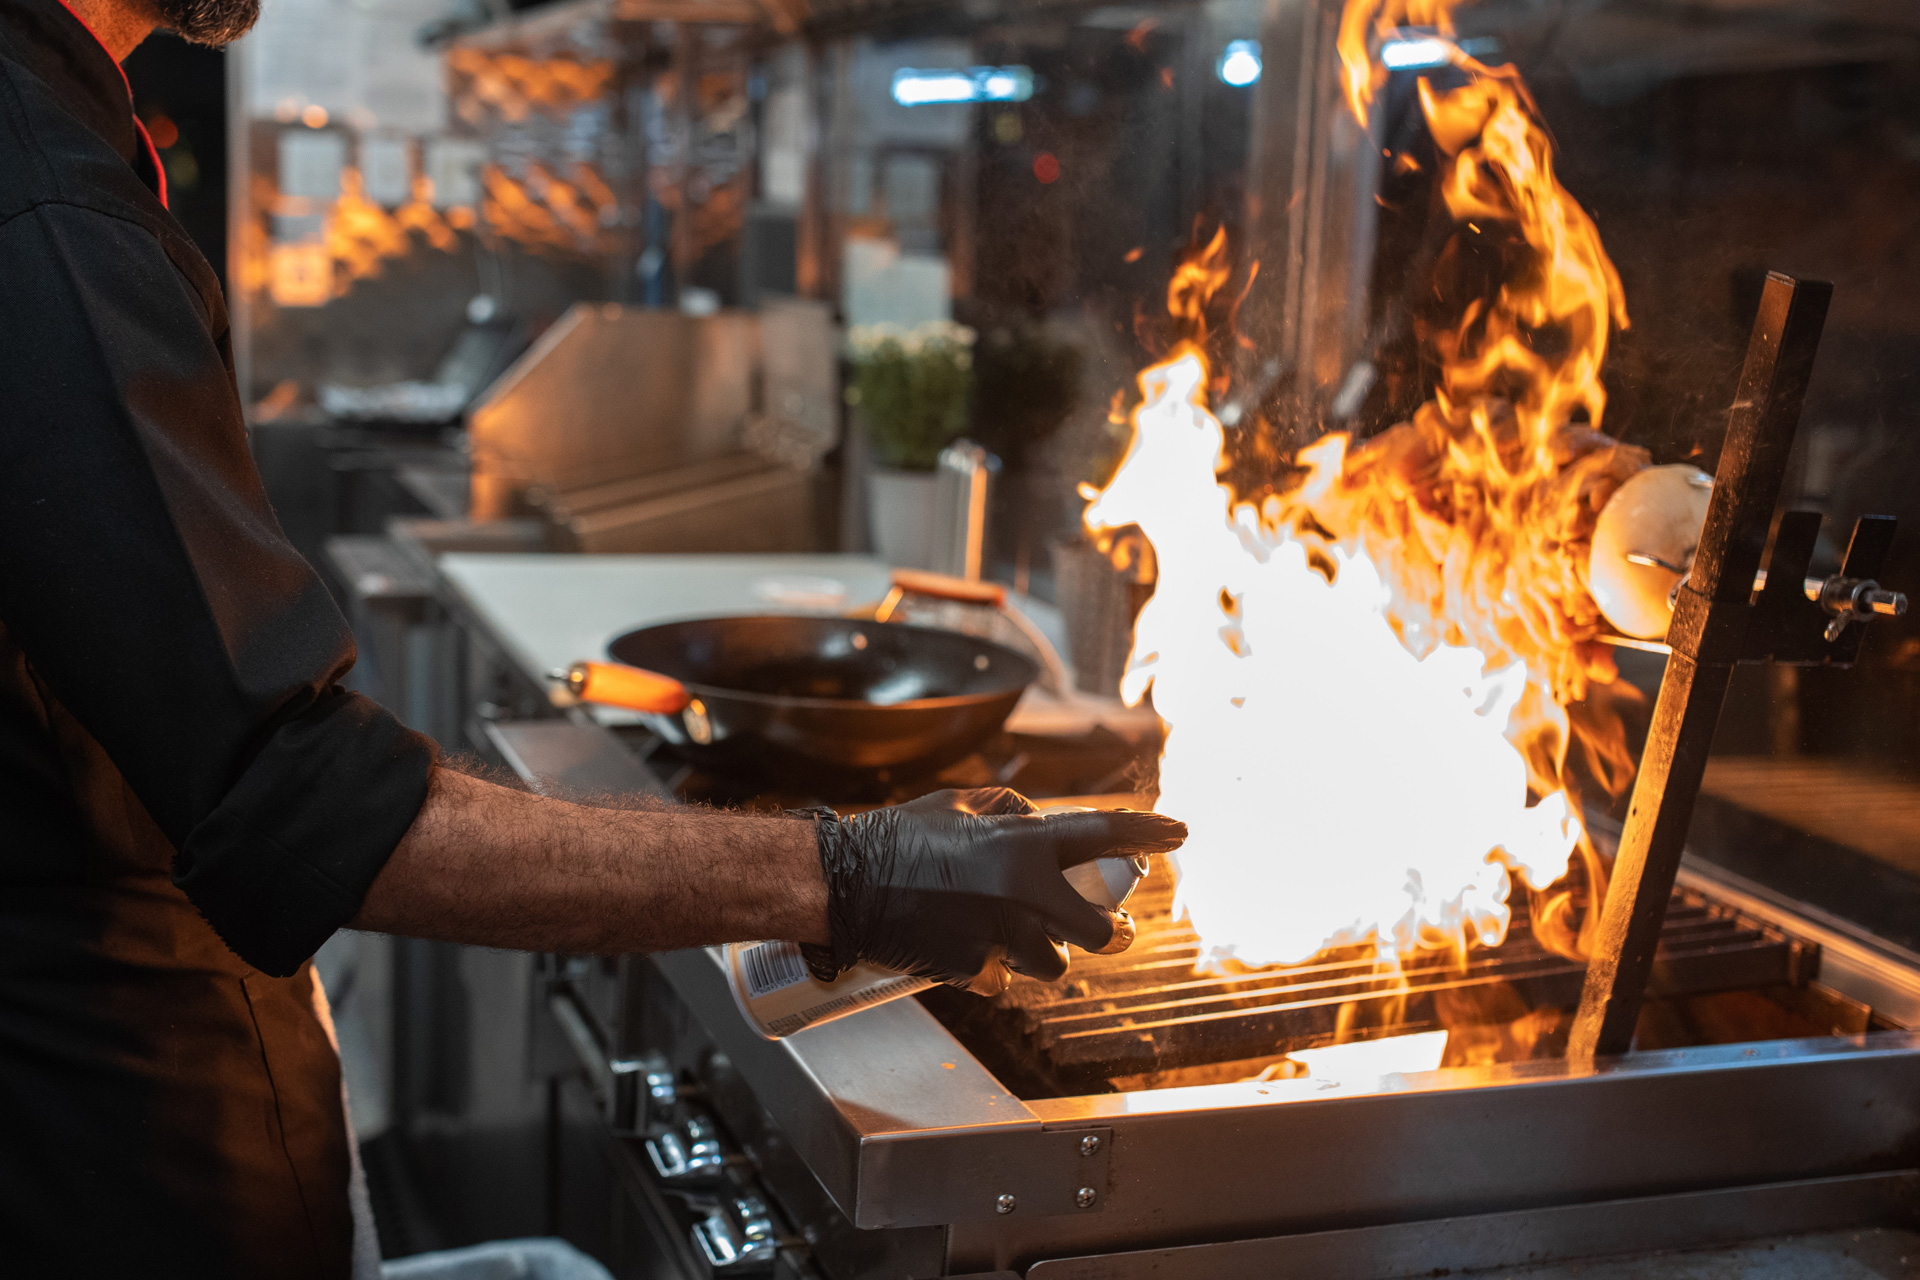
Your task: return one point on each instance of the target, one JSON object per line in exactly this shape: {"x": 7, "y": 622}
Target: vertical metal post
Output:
{"x": 964, "y": 473}
{"x": 1709, "y": 625}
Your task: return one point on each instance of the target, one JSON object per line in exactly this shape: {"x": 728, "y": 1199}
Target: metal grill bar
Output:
{"x": 1708, "y": 636}
{"x": 1149, "y": 1010}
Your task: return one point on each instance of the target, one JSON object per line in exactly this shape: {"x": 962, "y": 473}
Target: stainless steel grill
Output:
{"x": 1147, "y": 1011}
{"x": 1037, "y": 1134}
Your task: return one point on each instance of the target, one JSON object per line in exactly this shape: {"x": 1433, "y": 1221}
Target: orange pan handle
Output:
{"x": 940, "y": 586}
{"x": 613, "y": 684}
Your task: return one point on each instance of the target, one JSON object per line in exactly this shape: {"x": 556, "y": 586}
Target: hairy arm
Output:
{"x": 502, "y": 868}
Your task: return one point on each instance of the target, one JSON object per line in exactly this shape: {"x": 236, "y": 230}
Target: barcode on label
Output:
{"x": 772, "y": 966}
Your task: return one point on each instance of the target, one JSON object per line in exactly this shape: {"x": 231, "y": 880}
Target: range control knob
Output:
{"x": 737, "y": 1236}
{"x": 688, "y": 1154}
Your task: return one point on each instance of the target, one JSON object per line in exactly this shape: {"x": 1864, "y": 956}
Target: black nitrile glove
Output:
{"x": 962, "y": 886}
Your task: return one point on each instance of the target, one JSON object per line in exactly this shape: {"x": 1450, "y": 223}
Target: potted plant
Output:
{"x": 911, "y": 387}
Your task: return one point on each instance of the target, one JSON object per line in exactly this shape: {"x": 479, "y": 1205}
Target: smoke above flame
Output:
{"x": 1365, "y": 672}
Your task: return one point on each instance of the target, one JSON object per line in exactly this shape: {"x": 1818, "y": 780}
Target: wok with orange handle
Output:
{"x": 846, "y": 702}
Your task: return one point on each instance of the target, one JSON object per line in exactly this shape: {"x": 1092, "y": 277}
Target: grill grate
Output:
{"x": 1146, "y": 1012}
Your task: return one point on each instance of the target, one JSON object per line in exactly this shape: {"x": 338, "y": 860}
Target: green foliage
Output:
{"x": 913, "y": 386}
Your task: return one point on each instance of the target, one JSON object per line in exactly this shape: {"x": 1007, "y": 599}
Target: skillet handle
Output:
{"x": 614, "y": 684}
{"x": 943, "y": 586}
{"x": 938, "y": 586}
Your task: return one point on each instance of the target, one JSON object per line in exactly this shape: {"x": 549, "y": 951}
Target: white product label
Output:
{"x": 846, "y": 1002}
{"x": 772, "y": 966}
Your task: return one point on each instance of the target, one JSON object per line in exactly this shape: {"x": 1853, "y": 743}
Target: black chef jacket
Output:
{"x": 189, "y": 802}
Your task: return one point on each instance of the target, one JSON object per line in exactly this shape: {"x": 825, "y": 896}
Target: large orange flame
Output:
{"x": 1363, "y": 23}
{"x": 1481, "y": 509}
{"x": 1365, "y": 675}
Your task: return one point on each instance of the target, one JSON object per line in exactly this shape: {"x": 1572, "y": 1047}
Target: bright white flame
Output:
{"x": 1367, "y": 1061}
{"x": 1337, "y": 788}
{"x": 913, "y": 88}
{"x": 1240, "y": 63}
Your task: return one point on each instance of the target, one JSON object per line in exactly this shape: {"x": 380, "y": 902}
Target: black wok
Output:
{"x": 822, "y": 700}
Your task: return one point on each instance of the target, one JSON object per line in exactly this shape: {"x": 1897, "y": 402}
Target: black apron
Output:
{"x": 165, "y": 1110}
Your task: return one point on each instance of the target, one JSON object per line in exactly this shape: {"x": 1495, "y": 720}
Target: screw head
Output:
{"x": 1090, "y": 1145}
{"x": 1085, "y": 1197}
{"x": 1005, "y": 1204}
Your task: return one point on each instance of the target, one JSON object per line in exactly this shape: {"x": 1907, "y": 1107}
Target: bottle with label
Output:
{"x": 779, "y": 996}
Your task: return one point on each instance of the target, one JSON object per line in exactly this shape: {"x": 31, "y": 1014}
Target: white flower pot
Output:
{"x": 900, "y": 509}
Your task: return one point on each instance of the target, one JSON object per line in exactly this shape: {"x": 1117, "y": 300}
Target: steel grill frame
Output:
{"x": 888, "y": 1128}
{"x": 1147, "y": 1011}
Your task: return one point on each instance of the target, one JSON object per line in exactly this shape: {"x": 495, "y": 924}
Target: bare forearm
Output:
{"x": 502, "y": 868}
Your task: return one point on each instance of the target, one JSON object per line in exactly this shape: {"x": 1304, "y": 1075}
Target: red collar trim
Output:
{"x": 153, "y": 154}
{"x": 146, "y": 139}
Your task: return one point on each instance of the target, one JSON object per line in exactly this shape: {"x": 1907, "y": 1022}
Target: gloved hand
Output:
{"x": 963, "y": 886}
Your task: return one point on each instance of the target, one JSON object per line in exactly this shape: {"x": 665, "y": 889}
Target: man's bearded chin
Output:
{"x": 214, "y": 22}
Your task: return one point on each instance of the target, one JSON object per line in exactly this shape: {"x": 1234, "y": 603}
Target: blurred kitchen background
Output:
{"x": 602, "y": 276}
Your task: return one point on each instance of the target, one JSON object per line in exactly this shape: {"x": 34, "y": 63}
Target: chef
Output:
{"x": 190, "y": 804}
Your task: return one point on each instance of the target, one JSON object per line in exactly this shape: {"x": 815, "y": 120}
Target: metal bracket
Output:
{"x": 987, "y": 1175}
{"x": 1800, "y": 620}
{"x": 1059, "y": 1171}
{"x": 1792, "y": 619}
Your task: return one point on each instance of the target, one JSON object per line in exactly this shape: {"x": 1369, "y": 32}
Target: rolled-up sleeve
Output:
{"x": 143, "y": 574}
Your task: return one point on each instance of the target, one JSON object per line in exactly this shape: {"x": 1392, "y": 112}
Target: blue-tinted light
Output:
{"x": 1239, "y": 63}
{"x": 1405, "y": 55}
{"x": 913, "y": 88}
{"x": 917, "y": 88}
